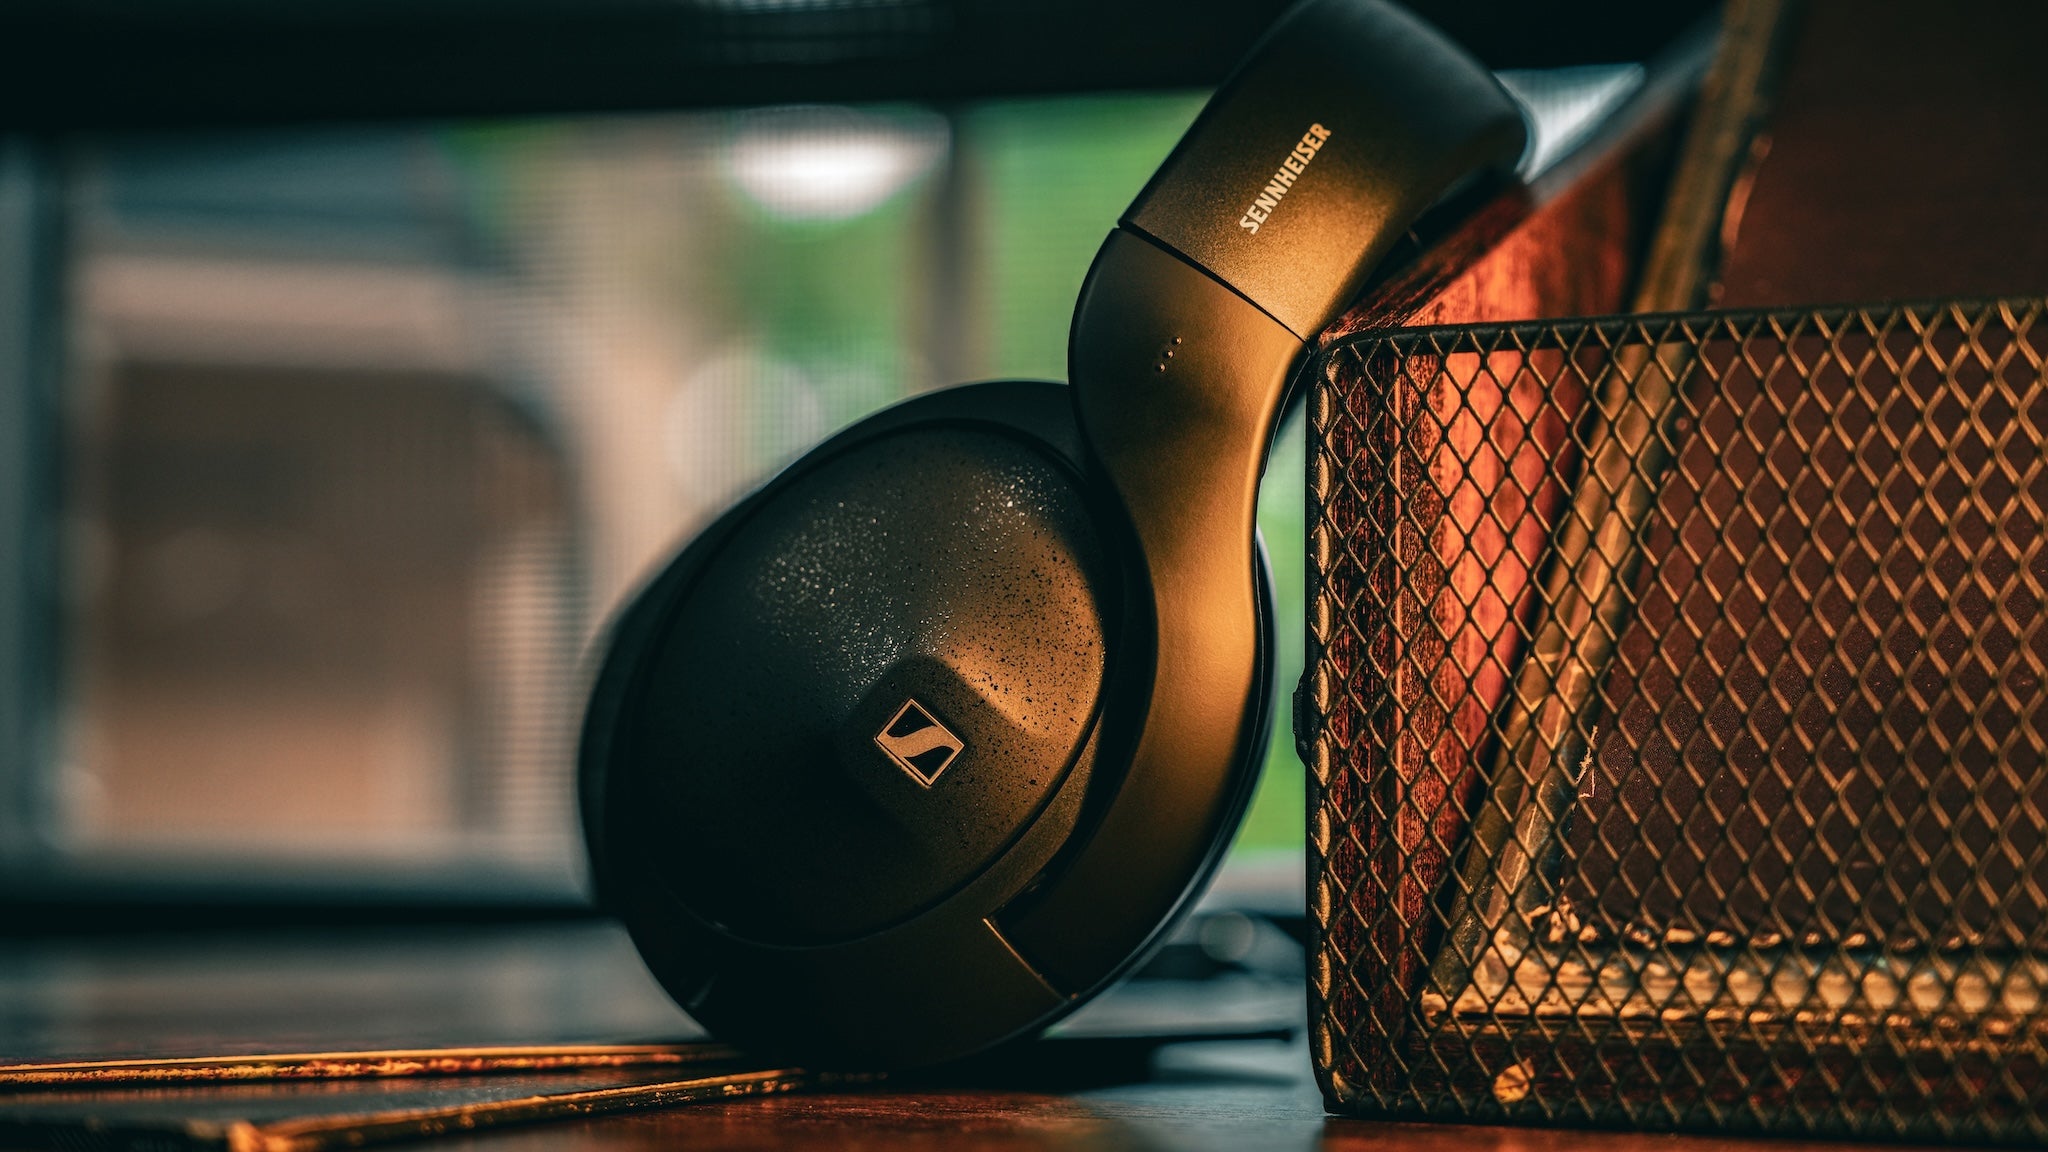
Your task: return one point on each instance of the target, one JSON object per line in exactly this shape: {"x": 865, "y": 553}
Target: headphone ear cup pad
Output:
{"x": 852, "y": 720}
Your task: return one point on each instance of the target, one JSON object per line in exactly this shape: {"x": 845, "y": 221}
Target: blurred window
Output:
{"x": 364, "y": 431}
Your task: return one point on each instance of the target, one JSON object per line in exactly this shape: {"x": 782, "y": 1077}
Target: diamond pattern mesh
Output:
{"x": 1677, "y": 724}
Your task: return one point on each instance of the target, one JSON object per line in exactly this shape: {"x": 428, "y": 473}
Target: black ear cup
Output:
{"x": 935, "y": 735}
{"x": 879, "y": 677}
{"x": 879, "y": 671}
{"x": 858, "y": 718}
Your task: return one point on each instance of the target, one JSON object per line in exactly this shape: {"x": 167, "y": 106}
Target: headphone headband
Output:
{"x": 1345, "y": 123}
{"x": 1190, "y": 327}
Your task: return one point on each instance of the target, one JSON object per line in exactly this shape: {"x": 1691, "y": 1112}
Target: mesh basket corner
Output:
{"x": 1678, "y": 736}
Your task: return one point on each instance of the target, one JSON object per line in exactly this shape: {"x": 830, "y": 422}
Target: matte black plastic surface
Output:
{"x": 1347, "y": 121}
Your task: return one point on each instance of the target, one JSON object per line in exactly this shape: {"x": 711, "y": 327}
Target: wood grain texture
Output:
{"x": 1907, "y": 158}
{"x": 313, "y": 1116}
{"x": 385, "y": 1064}
{"x": 143, "y": 993}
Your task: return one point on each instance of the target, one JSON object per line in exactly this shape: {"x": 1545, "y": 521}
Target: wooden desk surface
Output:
{"x": 78, "y": 998}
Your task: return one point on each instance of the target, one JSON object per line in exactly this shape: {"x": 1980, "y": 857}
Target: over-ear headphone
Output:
{"x": 933, "y": 736}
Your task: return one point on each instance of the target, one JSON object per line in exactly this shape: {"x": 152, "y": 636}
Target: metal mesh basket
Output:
{"x": 1677, "y": 724}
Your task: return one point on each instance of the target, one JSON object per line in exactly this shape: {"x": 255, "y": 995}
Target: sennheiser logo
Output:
{"x": 1283, "y": 179}
{"x": 918, "y": 743}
